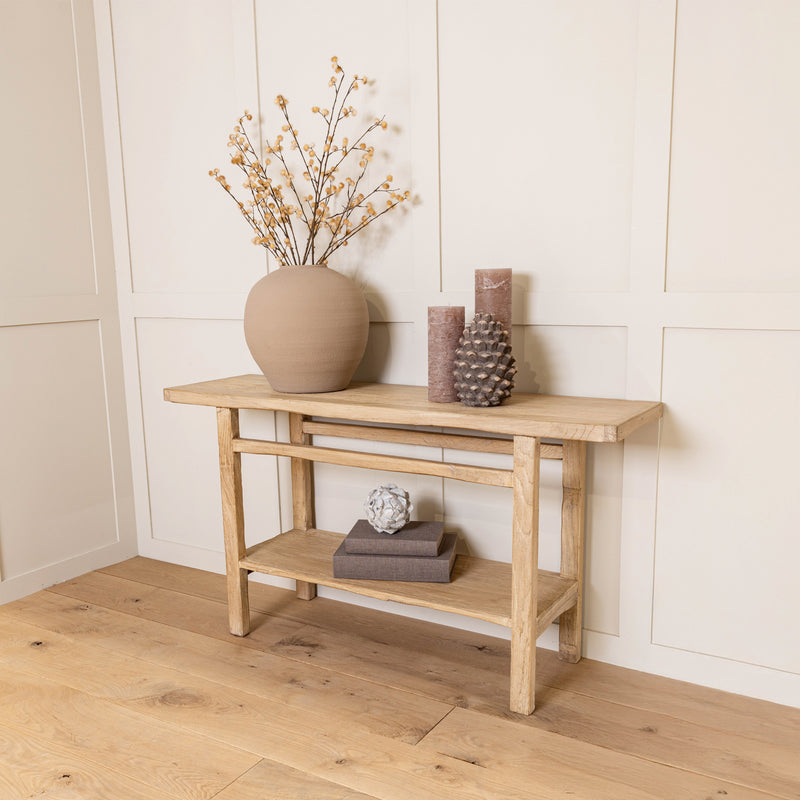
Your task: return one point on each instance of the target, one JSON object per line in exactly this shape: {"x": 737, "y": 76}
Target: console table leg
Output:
{"x": 524, "y": 573}
{"x": 573, "y": 480}
{"x": 230, "y": 474}
{"x": 302, "y": 494}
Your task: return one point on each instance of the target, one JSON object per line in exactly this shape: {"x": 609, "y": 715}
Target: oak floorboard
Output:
{"x": 151, "y": 689}
{"x": 408, "y": 661}
{"x": 108, "y": 718}
{"x": 30, "y": 768}
{"x": 269, "y": 779}
{"x": 674, "y": 742}
{"x": 627, "y": 729}
{"x": 177, "y": 609}
{"x": 139, "y": 653}
{"x": 489, "y": 656}
{"x": 385, "y": 711}
{"x": 440, "y": 676}
{"x": 178, "y": 578}
{"x": 761, "y": 720}
{"x": 585, "y": 770}
{"x": 320, "y": 745}
{"x": 186, "y": 766}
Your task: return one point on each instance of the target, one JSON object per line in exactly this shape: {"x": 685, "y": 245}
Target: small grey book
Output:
{"x": 429, "y": 569}
{"x": 423, "y": 538}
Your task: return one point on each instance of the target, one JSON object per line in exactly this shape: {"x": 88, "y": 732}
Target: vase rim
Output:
{"x": 292, "y": 266}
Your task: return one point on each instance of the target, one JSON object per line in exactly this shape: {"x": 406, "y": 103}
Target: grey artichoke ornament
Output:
{"x": 484, "y": 367}
{"x": 388, "y": 508}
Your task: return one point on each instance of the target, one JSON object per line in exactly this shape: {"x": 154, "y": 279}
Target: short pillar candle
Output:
{"x": 445, "y": 326}
{"x": 493, "y": 295}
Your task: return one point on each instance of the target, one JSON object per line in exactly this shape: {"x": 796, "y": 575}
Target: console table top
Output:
{"x": 587, "y": 419}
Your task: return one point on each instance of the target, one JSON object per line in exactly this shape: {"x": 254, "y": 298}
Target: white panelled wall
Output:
{"x": 66, "y": 497}
{"x": 633, "y": 161}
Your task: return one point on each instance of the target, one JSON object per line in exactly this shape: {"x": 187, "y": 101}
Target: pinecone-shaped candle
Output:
{"x": 484, "y": 367}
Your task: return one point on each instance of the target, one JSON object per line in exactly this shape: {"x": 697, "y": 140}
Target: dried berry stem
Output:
{"x": 325, "y": 213}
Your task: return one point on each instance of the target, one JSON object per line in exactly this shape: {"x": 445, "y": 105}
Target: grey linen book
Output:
{"x": 414, "y": 539}
{"x": 430, "y": 569}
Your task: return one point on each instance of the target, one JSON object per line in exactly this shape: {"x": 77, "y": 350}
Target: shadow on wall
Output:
{"x": 377, "y": 357}
{"x": 528, "y": 349}
{"x": 374, "y": 366}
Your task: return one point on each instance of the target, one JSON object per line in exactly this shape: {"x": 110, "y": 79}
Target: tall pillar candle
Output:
{"x": 493, "y": 295}
{"x": 445, "y": 326}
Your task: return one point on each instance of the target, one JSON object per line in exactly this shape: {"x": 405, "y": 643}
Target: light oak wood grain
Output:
{"x": 573, "y": 510}
{"x": 487, "y": 658}
{"x": 34, "y": 768}
{"x": 478, "y": 588}
{"x": 585, "y": 418}
{"x": 468, "y": 670}
{"x": 186, "y": 766}
{"x": 230, "y": 475}
{"x": 333, "y": 643}
{"x": 721, "y": 711}
{"x": 353, "y": 458}
{"x": 528, "y": 418}
{"x": 575, "y": 740}
{"x": 449, "y": 441}
{"x": 162, "y": 700}
{"x": 584, "y": 770}
{"x": 524, "y": 572}
{"x": 691, "y": 746}
{"x": 385, "y": 711}
{"x": 270, "y": 779}
{"x": 694, "y": 747}
{"x": 171, "y": 608}
{"x": 302, "y": 477}
{"x": 175, "y": 696}
{"x": 303, "y": 505}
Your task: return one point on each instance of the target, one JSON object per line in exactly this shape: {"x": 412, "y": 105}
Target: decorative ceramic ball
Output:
{"x": 388, "y": 508}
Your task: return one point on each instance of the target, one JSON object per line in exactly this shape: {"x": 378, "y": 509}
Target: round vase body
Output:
{"x": 306, "y": 327}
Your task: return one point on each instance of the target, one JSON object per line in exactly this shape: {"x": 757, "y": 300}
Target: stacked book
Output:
{"x": 420, "y": 551}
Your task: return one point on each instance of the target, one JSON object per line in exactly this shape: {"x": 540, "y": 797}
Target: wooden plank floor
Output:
{"x": 124, "y": 683}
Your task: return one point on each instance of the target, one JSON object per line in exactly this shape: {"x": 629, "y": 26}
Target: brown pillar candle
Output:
{"x": 445, "y": 326}
{"x": 493, "y": 295}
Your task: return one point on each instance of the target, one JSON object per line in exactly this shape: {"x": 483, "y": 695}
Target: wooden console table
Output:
{"x": 517, "y": 595}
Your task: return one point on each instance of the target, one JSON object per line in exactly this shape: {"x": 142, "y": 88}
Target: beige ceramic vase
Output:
{"x": 306, "y": 327}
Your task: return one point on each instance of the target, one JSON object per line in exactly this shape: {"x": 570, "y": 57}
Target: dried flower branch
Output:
{"x": 332, "y": 209}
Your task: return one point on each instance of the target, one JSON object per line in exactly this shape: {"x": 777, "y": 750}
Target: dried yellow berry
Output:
{"x": 326, "y": 206}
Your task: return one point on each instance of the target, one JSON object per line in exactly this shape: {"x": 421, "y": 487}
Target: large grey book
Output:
{"x": 429, "y": 569}
{"x": 421, "y": 538}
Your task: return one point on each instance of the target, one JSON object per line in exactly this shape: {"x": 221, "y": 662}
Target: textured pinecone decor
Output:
{"x": 484, "y": 367}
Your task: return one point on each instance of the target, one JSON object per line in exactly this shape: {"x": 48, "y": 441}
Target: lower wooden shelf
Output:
{"x": 479, "y": 588}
